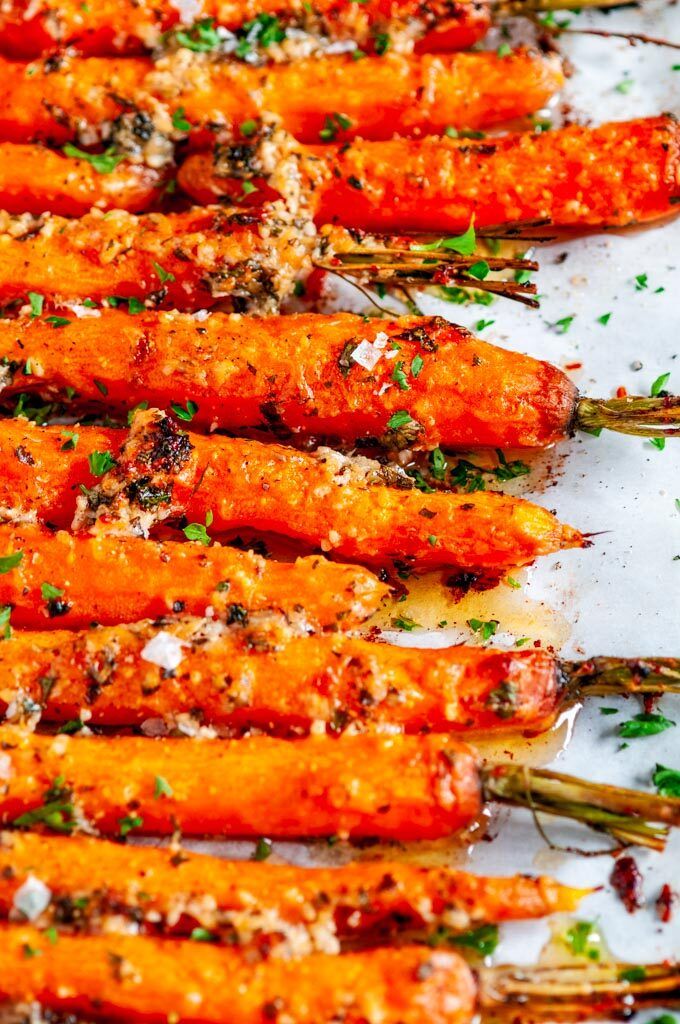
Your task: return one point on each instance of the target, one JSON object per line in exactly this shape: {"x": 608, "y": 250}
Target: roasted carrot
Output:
{"x": 353, "y": 507}
{"x": 132, "y": 978}
{"x": 35, "y": 179}
{"x": 294, "y": 910}
{"x": 137, "y": 105}
{"x": 395, "y": 787}
{"x": 332, "y": 377}
{"x": 262, "y": 674}
{"x": 186, "y": 260}
{"x": 111, "y": 26}
{"x": 145, "y": 979}
{"x": 614, "y": 175}
{"x": 110, "y": 580}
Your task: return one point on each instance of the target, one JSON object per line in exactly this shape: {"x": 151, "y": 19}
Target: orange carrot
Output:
{"x": 308, "y": 374}
{"x": 144, "y": 979}
{"x": 353, "y": 507}
{"x": 263, "y": 674}
{"x": 117, "y": 99}
{"x": 35, "y": 179}
{"x": 99, "y": 579}
{"x": 290, "y": 908}
{"x": 613, "y": 175}
{"x": 129, "y": 26}
{"x": 187, "y": 260}
{"x": 395, "y": 787}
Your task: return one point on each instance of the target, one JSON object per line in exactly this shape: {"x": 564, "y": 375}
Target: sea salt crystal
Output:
{"x": 164, "y": 650}
{"x": 32, "y": 898}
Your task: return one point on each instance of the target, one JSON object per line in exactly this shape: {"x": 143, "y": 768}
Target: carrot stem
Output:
{"x": 606, "y": 675}
{"x": 641, "y": 417}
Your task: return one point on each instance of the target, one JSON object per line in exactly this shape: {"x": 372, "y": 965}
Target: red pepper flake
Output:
{"x": 573, "y": 366}
{"x": 621, "y": 392}
{"x": 626, "y": 881}
{"x": 665, "y": 903}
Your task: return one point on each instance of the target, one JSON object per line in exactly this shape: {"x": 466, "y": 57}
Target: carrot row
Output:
{"x": 132, "y": 26}
{"x": 98, "y": 580}
{"x": 140, "y": 107}
{"x": 91, "y": 883}
{"x": 351, "y": 507}
{"x": 301, "y": 375}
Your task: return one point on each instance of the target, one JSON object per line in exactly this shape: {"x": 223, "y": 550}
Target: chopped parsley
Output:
{"x": 334, "y": 123}
{"x": 641, "y": 282}
{"x": 248, "y": 188}
{"x": 57, "y": 321}
{"x": 604, "y": 319}
{"x": 658, "y": 442}
{"x": 199, "y": 531}
{"x": 482, "y": 940}
{"x": 5, "y": 615}
{"x": 667, "y": 781}
{"x": 161, "y": 787}
{"x": 9, "y": 562}
{"x": 100, "y": 462}
{"x": 563, "y": 325}
{"x": 201, "y": 37}
{"x": 644, "y": 724}
{"x": 263, "y": 849}
{"x": 464, "y": 244}
{"x": 70, "y": 442}
{"x": 57, "y": 811}
{"x": 179, "y": 121}
{"x": 202, "y": 935}
{"x": 485, "y": 629}
{"x": 248, "y": 128}
{"x": 128, "y": 823}
{"x": 404, "y": 622}
{"x": 483, "y": 324}
{"x": 187, "y": 414}
{"x": 659, "y": 384}
{"x": 164, "y": 275}
{"x": 479, "y": 270}
{"x": 399, "y": 376}
{"x": 633, "y": 974}
{"x": 625, "y": 86}
{"x": 37, "y": 302}
{"x": 49, "y": 592}
{"x": 103, "y": 163}
{"x": 583, "y": 939}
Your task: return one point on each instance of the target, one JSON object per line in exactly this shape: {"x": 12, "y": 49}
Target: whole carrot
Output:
{"x": 614, "y": 175}
{"x": 396, "y": 787}
{"x": 292, "y": 909}
{"x": 353, "y": 507}
{"x": 132, "y": 26}
{"x": 73, "y": 581}
{"x": 123, "y": 977}
{"x": 261, "y": 674}
{"x": 138, "y": 106}
{"x": 335, "y": 377}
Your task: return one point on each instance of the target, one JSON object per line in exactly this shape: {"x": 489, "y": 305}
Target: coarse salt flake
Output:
{"x": 164, "y": 650}
{"x": 32, "y": 898}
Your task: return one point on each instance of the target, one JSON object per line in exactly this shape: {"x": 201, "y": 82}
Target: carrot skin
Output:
{"x": 468, "y": 392}
{"x": 397, "y": 787}
{"x": 100, "y": 578}
{"x": 34, "y": 179}
{"x": 264, "y": 676}
{"x": 139, "y": 979}
{"x": 381, "y": 96}
{"x": 322, "y": 499}
{"x": 321, "y": 907}
{"x": 187, "y": 260}
{"x": 613, "y": 175}
{"x": 112, "y": 27}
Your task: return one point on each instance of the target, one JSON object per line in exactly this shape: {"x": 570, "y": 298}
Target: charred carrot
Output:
{"x": 614, "y": 175}
{"x": 353, "y": 507}
{"x": 109, "y": 27}
{"x": 294, "y": 910}
{"x": 35, "y": 179}
{"x": 185, "y": 260}
{"x": 136, "y": 106}
{"x": 396, "y": 787}
{"x": 243, "y": 260}
{"x": 333, "y": 377}
{"x": 123, "y": 977}
{"x": 261, "y": 674}
{"x": 64, "y": 580}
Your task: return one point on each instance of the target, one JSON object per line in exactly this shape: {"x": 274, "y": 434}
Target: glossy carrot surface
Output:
{"x": 263, "y": 675}
{"x": 186, "y": 260}
{"x": 112, "y": 579}
{"x": 397, "y": 787}
{"x": 615, "y": 175}
{"x": 324, "y": 376}
{"x": 291, "y": 909}
{"x": 379, "y": 96}
{"x": 355, "y": 508}
{"x": 34, "y": 179}
{"x": 144, "y": 979}
{"x": 28, "y": 29}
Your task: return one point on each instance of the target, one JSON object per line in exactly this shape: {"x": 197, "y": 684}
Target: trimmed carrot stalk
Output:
{"x": 132, "y": 26}
{"x": 353, "y": 507}
{"x": 187, "y": 260}
{"x": 139, "y": 979}
{"x": 34, "y": 179}
{"x": 262, "y": 674}
{"x": 99, "y": 97}
{"x": 324, "y": 376}
{"x": 131, "y": 978}
{"x": 100, "y": 582}
{"x": 290, "y": 908}
{"x": 396, "y": 787}
{"x": 308, "y": 374}
{"x": 614, "y": 175}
